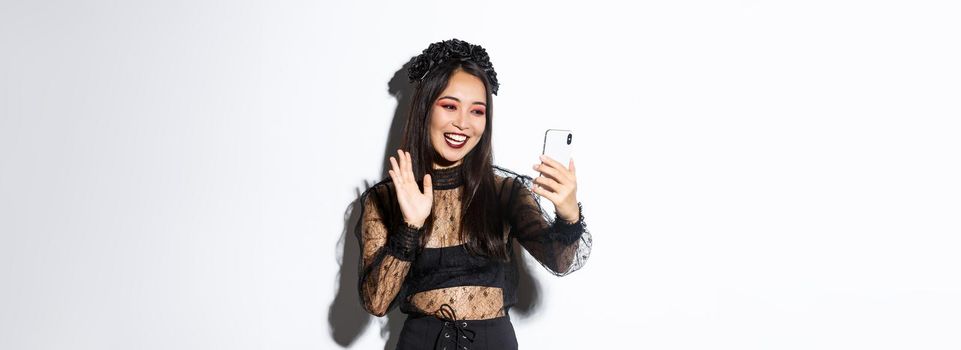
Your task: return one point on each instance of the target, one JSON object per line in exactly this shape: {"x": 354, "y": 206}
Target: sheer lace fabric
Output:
{"x": 442, "y": 272}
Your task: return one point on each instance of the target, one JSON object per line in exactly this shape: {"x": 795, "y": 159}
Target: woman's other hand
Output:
{"x": 415, "y": 206}
{"x": 559, "y": 185}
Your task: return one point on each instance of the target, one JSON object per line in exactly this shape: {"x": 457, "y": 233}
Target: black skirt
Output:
{"x": 423, "y": 332}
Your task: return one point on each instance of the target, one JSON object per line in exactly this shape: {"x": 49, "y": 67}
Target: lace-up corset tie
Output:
{"x": 454, "y": 332}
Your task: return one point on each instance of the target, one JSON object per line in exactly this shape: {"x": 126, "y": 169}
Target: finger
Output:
{"x": 549, "y": 184}
{"x": 410, "y": 165}
{"x": 552, "y": 172}
{"x": 404, "y": 168}
{"x": 573, "y": 170}
{"x": 398, "y": 182}
{"x": 550, "y": 161}
{"x": 395, "y": 168}
{"x": 400, "y": 162}
{"x": 428, "y": 186}
{"x": 545, "y": 193}
{"x": 561, "y": 169}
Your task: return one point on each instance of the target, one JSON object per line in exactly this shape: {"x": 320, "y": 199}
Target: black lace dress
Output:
{"x": 440, "y": 277}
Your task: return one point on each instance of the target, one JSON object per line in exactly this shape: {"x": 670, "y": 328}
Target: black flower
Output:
{"x": 418, "y": 68}
{"x": 459, "y": 49}
{"x": 454, "y": 49}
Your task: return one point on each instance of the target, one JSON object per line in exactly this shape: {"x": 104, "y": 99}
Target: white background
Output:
{"x": 756, "y": 174}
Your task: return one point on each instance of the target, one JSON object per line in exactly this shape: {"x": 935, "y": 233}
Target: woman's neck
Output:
{"x": 448, "y": 165}
{"x": 448, "y": 177}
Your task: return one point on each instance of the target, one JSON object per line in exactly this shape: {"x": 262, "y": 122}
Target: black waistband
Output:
{"x": 453, "y": 266}
{"x": 418, "y": 316}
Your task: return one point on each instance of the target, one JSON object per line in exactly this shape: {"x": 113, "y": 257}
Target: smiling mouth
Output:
{"x": 455, "y": 140}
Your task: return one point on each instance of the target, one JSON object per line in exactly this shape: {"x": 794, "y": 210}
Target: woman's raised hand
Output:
{"x": 415, "y": 206}
{"x": 558, "y": 184}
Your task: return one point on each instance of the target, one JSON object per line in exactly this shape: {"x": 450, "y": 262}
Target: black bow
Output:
{"x": 453, "y": 328}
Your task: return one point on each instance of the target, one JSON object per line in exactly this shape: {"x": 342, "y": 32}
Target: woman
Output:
{"x": 441, "y": 247}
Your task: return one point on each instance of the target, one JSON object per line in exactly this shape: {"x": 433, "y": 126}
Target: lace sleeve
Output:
{"x": 385, "y": 254}
{"x": 559, "y": 246}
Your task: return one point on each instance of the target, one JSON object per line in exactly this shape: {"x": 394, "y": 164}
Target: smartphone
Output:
{"x": 557, "y": 145}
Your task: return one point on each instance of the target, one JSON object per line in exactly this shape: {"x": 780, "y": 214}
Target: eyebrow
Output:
{"x": 458, "y": 100}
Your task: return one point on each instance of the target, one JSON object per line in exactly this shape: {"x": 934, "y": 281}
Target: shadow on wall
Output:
{"x": 347, "y": 318}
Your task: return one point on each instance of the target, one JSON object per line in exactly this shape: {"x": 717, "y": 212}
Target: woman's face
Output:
{"x": 458, "y": 118}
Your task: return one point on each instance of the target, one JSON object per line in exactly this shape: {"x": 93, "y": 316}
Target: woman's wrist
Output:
{"x": 416, "y": 224}
{"x": 569, "y": 215}
{"x": 569, "y": 231}
{"x": 404, "y": 243}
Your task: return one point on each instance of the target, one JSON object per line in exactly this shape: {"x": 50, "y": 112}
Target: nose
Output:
{"x": 461, "y": 120}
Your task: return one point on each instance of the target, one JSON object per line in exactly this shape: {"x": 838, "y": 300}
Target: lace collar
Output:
{"x": 445, "y": 179}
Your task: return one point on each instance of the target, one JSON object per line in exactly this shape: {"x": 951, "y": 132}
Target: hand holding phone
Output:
{"x": 558, "y": 178}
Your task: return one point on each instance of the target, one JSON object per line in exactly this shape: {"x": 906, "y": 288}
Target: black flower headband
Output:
{"x": 442, "y": 51}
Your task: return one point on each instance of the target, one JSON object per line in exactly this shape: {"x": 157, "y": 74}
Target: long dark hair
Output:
{"x": 482, "y": 222}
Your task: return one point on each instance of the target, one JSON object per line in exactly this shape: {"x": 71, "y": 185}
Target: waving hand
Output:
{"x": 414, "y": 204}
